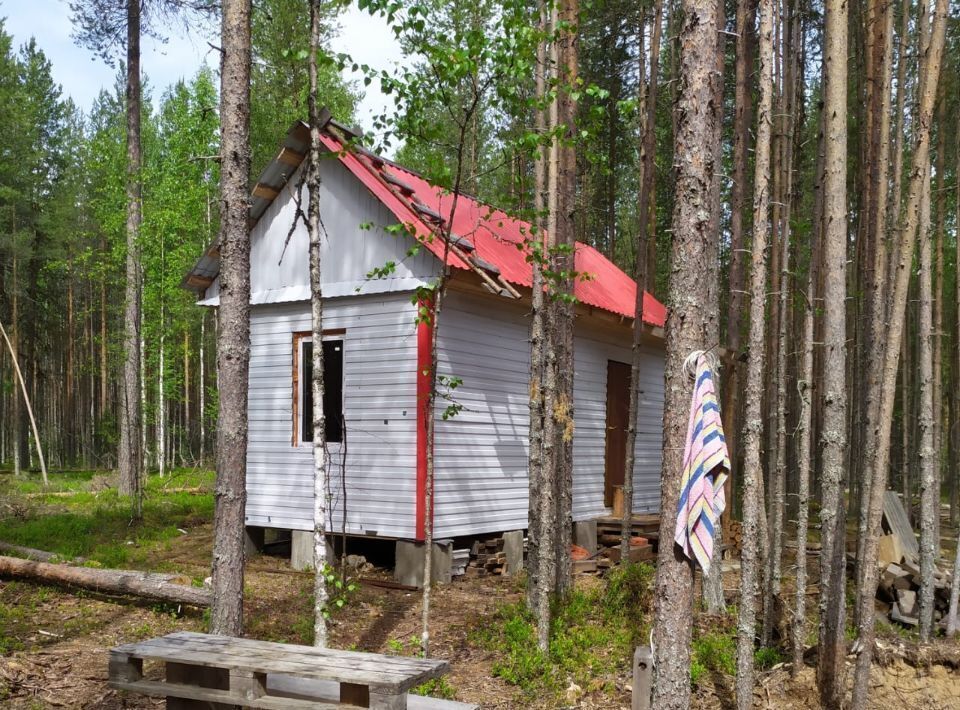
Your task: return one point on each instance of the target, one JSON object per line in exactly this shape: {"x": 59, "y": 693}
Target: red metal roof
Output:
{"x": 497, "y": 238}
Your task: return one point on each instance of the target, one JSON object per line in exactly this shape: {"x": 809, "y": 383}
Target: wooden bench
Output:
{"x": 207, "y": 671}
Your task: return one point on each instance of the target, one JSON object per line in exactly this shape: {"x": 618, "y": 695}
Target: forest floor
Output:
{"x": 54, "y": 642}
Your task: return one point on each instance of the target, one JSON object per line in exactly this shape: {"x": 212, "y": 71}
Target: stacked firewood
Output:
{"x": 899, "y": 586}
{"x": 734, "y": 535}
{"x": 487, "y": 557}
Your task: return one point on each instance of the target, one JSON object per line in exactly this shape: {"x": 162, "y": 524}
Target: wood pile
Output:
{"x": 899, "y": 585}
{"x": 733, "y": 535}
{"x": 487, "y": 557}
{"x": 898, "y": 555}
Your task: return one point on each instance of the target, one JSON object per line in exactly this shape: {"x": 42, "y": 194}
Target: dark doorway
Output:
{"x": 618, "y": 415}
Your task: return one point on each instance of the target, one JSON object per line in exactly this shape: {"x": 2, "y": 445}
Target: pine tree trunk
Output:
{"x": 186, "y": 391}
{"x": 17, "y": 422}
{"x": 778, "y": 489}
{"x": 320, "y": 454}
{"x": 742, "y": 122}
{"x": 753, "y": 393}
{"x": 803, "y": 437}
{"x": 563, "y": 263}
{"x": 712, "y": 582}
{"x": 130, "y": 456}
{"x": 69, "y": 418}
{"x": 879, "y": 454}
{"x": 161, "y": 404}
{"x": 647, "y": 111}
{"x": 202, "y": 390}
{"x": 688, "y": 329}
{"x": 906, "y": 392}
{"x": 830, "y": 668}
{"x": 936, "y": 343}
{"x": 929, "y": 500}
{"x": 955, "y": 459}
{"x": 103, "y": 340}
{"x": 233, "y": 341}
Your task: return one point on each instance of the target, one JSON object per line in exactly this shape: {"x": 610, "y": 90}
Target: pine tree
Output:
{"x": 688, "y": 329}
{"x": 233, "y": 342}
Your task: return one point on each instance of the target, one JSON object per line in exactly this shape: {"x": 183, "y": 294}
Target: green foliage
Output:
{"x": 339, "y": 591}
{"x": 591, "y": 637}
{"x": 628, "y": 596}
{"x": 279, "y": 82}
{"x": 437, "y": 688}
{"x": 713, "y": 652}
{"x": 96, "y": 524}
{"x": 767, "y": 657}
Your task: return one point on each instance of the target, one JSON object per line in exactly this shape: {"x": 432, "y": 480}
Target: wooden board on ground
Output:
{"x": 895, "y": 519}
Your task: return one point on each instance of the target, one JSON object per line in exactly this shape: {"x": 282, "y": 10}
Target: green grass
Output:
{"x": 19, "y": 603}
{"x": 592, "y": 636}
{"x": 713, "y": 652}
{"x": 96, "y": 523}
{"x": 437, "y": 688}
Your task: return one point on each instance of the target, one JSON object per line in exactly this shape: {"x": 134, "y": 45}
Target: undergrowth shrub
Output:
{"x": 713, "y": 652}
{"x": 592, "y": 636}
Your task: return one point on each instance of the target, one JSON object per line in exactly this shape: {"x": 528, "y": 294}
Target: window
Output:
{"x": 332, "y": 390}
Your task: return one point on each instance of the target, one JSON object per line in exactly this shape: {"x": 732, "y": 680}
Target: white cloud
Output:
{"x": 366, "y": 38}
{"x": 369, "y": 40}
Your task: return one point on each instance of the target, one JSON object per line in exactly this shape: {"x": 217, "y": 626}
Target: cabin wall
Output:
{"x": 481, "y": 453}
{"x": 354, "y": 241}
{"x": 379, "y": 400}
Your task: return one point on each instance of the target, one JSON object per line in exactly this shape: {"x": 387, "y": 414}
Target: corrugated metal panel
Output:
{"x": 494, "y": 235}
{"x": 489, "y": 236}
{"x": 379, "y": 408}
{"x": 355, "y": 241}
{"x": 481, "y": 454}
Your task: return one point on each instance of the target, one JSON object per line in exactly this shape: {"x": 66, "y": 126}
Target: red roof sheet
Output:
{"x": 497, "y": 238}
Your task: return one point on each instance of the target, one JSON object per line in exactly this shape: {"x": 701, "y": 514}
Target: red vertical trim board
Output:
{"x": 424, "y": 363}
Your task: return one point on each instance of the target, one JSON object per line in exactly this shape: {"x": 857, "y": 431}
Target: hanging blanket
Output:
{"x": 706, "y": 464}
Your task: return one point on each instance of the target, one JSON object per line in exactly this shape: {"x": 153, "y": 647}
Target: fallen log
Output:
{"x": 147, "y": 585}
{"x": 32, "y": 554}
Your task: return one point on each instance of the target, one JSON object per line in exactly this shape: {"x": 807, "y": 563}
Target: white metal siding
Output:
{"x": 379, "y": 400}
{"x": 355, "y": 241}
{"x": 481, "y": 454}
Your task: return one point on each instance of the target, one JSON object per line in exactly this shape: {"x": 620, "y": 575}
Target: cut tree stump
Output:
{"x": 147, "y": 585}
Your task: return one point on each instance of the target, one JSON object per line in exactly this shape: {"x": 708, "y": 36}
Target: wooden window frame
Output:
{"x": 298, "y": 338}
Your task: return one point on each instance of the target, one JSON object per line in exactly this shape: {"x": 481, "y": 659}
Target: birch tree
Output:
{"x": 320, "y": 454}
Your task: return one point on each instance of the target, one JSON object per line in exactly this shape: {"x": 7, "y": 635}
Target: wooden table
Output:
{"x": 203, "y": 670}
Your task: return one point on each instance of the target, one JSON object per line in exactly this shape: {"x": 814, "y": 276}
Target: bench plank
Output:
{"x": 391, "y": 674}
{"x": 255, "y": 649}
{"x": 329, "y": 691}
{"x": 405, "y": 662}
{"x": 161, "y": 689}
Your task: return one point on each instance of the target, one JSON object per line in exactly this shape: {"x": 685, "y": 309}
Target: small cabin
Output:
{"x": 374, "y": 349}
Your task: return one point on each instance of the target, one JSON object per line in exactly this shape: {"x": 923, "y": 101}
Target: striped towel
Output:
{"x": 706, "y": 464}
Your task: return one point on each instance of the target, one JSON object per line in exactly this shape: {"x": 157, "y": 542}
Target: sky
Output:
{"x": 82, "y": 74}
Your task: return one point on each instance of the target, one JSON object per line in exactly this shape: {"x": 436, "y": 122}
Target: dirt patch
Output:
{"x": 58, "y": 641}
